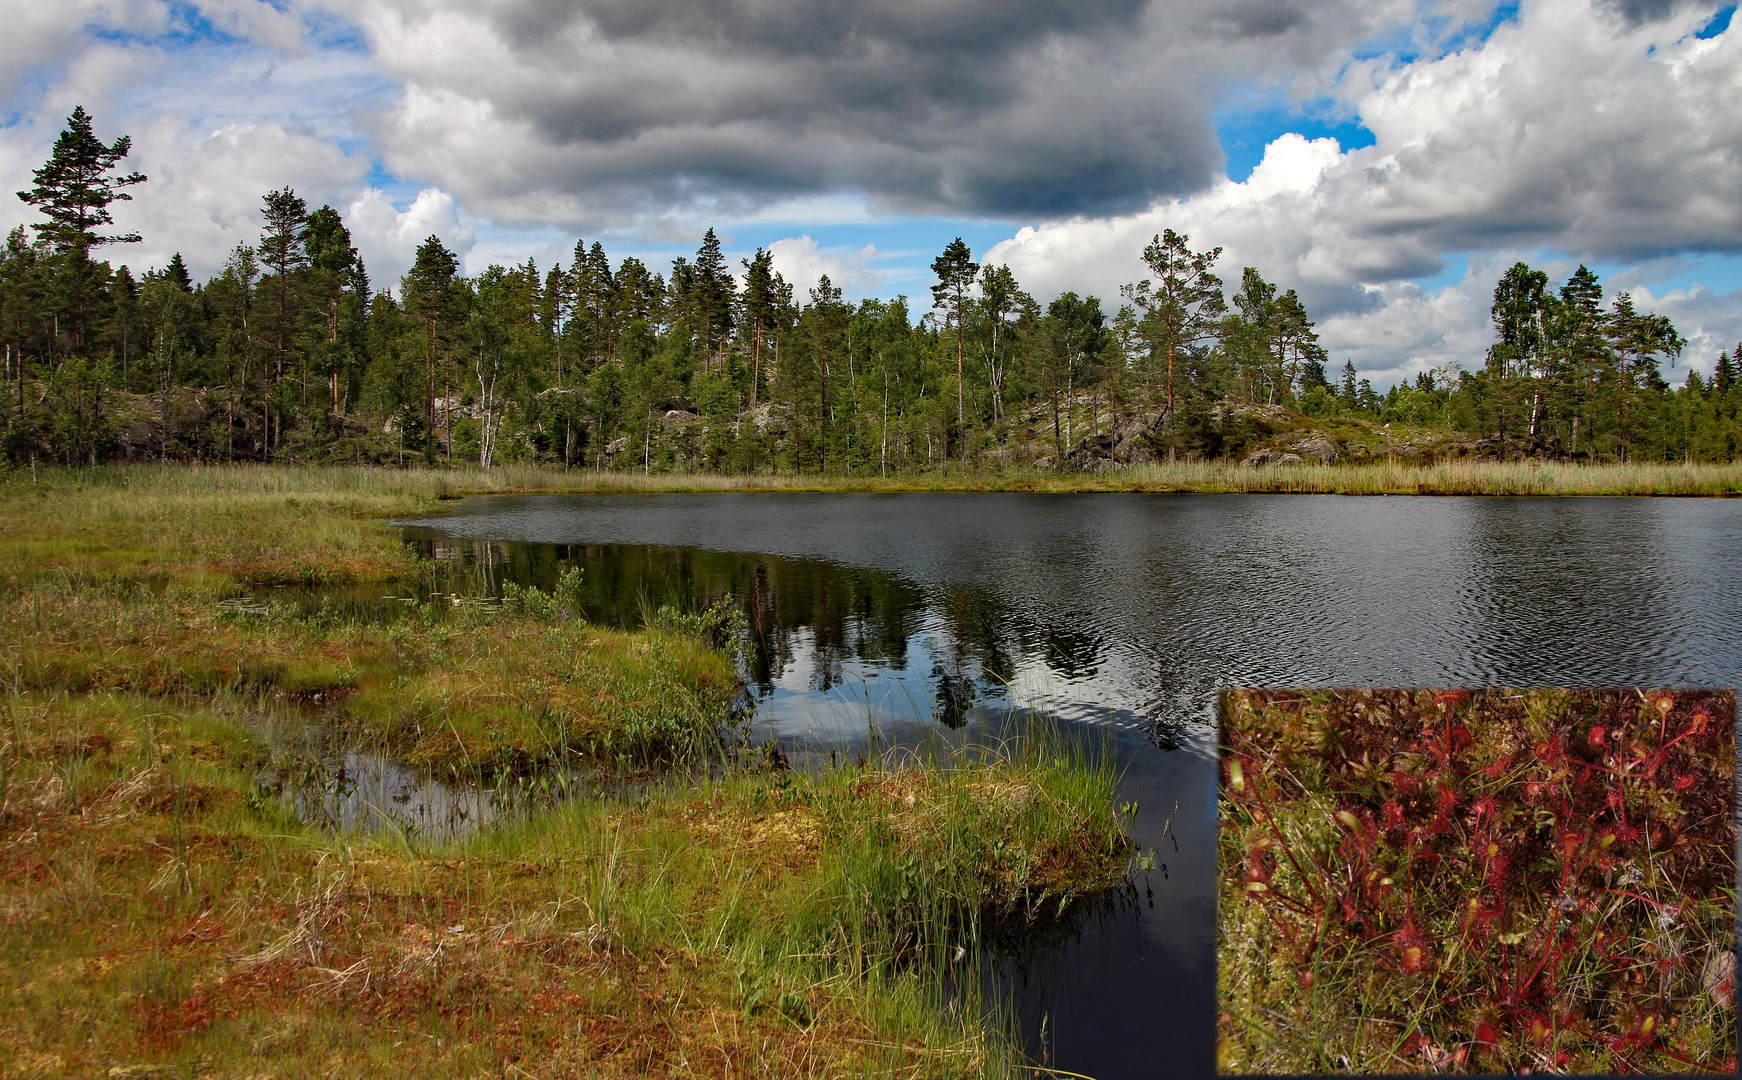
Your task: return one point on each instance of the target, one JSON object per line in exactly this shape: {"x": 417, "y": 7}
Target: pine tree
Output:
{"x": 1299, "y": 354}
{"x": 596, "y": 304}
{"x": 1075, "y": 333}
{"x": 335, "y": 269}
{"x": 641, "y": 293}
{"x": 1181, "y": 305}
{"x": 956, "y": 272}
{"x": 74, "y": 190}
{"x": 1578, "y": 341}
{"x": 825, "y": 324}
{"x": 124, "y": 305}
{"x": 1001, "y": 301}
{"x": 283, "y": 248}
{"x": 235, "y": 290}
{"x": 1638, "y": 340}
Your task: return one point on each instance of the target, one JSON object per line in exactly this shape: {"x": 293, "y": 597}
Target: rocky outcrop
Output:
{"x": 1317, "y": 448}
{"x": 1262, "y": 458}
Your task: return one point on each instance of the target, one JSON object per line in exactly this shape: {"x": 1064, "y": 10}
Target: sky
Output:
{"x": 1388, "y": 159}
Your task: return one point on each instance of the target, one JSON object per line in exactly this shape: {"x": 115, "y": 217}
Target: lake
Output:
{"x": 942, "y": 615}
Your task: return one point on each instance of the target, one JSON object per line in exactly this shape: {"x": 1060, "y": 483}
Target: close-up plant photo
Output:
{"x": 1483, "y": 881}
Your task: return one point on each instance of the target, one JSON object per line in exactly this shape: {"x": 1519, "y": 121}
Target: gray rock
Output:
{"x": 1263, "y": 458}
{"x": 1318, "y": 448}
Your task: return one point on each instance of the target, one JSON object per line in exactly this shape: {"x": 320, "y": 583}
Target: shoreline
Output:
{"x": 1503, "y": 479}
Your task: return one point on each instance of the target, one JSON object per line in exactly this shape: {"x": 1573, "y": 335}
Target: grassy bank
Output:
{"x": 379, "y": 492}
{"x": 161, "y": 906}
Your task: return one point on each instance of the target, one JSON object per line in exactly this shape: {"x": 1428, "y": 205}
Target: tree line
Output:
{"x": 290, "y": 353}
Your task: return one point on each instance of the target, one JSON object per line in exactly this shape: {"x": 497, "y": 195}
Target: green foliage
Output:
{"x": 288, "y": 354}
{"x": 74, "y": 188}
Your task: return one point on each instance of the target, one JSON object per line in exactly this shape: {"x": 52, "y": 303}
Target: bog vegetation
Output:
{"x": 659, "y": 904}
{"x": 292, "y": 353}
{"x": 1505, "y": 882}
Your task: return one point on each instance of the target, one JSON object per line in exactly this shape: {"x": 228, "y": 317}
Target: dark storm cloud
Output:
{"x": 1256, "y": 19}
{"x": 1639, "y": 12}
{"x": 830, "y": 28}
{"x": 997, "y": 107}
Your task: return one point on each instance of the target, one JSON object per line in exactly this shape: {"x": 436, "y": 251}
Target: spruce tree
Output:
{"x": 758, "y": 305}
{"x": 429, "y": 298}
{"x": 715, "y": 291}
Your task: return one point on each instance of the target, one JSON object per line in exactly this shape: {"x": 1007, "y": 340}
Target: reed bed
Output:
{"x": 389, "y": 492}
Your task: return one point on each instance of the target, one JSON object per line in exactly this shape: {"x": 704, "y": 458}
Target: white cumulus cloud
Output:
{"x": 803, "y": 265}
{"x": 387, "y": 238}
{"x": 1573, "y": 131}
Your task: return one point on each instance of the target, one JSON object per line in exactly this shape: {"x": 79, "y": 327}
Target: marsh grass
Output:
{"x": 342, "y": 492}
{"x": 158, "y": 911}
{"x": 164, "y": 907}
{"x": 112, "y": 589}
{"x": 1493, "y": 881}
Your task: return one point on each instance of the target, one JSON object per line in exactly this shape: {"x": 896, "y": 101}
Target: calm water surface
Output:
{"x": 1123, "y": 614}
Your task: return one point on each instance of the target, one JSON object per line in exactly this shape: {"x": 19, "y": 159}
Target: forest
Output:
{"x": 292, "y": 354}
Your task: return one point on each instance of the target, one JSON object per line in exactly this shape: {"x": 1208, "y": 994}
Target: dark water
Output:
{"x": 1123, "y": 614}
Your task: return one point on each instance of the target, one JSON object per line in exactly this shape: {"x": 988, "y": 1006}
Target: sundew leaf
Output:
{"x": 1513, "y": 880}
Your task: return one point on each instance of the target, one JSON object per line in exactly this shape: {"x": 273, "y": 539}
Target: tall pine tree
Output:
{"x": 956, "y": 271}
{"x": 74, "y": 190}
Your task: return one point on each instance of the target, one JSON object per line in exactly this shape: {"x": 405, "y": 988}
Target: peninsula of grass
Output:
{"x": 1504, "y": 882}
{"x": 164, "y": 909}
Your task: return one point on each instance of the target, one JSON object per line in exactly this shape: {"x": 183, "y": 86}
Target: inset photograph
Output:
{"x": 1487, "y": 881}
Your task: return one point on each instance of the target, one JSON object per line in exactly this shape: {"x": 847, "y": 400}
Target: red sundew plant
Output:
{"x": 1478, "y": 881}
